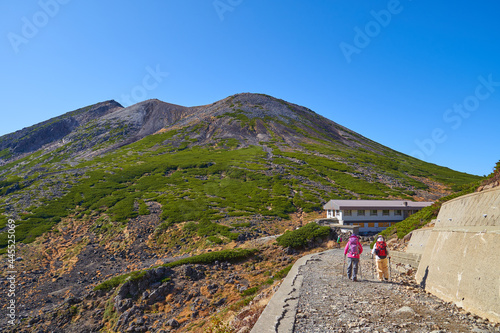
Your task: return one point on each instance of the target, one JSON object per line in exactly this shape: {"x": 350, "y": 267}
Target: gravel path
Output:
{"x": 331, "y": 303}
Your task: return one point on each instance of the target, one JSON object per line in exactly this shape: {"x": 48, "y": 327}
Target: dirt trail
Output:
{"x": 330, "y": 302}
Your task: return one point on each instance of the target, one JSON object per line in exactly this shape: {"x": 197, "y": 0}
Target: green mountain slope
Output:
{"x": 427, "y": 214}
{"x": 245, "y": 156}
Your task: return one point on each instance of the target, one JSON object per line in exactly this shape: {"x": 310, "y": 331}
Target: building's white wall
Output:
{"x": 368, "y": 217}
{"x": 334, "y": 214}
{"x": 371, "y": 223}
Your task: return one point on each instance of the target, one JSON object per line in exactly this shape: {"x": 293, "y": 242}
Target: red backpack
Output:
{"x": 381, "y": 249}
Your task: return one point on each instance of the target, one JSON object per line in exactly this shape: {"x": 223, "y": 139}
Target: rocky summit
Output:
{"x": 159, "y": 217}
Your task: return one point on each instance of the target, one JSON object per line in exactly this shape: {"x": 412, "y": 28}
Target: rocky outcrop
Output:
{"x": 134, "y": 287}
{"x": 35, "y": 137}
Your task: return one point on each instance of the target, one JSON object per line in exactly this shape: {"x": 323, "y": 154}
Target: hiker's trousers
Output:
{"x": 383, "y": 268}
{"x": 352, "y": 267}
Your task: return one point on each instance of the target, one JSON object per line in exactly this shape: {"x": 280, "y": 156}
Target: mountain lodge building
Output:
{"x": 371, "y": 216}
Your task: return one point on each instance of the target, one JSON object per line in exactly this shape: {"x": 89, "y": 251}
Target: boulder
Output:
{"x": 173, "y": 323}
{"x": 193, "y": 273}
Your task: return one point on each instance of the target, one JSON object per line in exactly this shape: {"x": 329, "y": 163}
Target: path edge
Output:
{"x": 279, "y": 314}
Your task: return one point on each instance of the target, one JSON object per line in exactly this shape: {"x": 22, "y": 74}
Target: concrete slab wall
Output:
{"x": 412, "y": 259}
{"x": 418, "y": 240}
{"x": 461, "y": 262}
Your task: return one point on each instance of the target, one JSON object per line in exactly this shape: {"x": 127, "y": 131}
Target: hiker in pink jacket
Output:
{"x": 353, "y": 249}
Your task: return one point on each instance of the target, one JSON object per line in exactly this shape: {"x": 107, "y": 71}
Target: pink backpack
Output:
{"x": 353, "y": 246}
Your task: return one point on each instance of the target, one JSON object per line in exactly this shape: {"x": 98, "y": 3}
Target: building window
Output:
{"x": 361, "y": 212}
{"x": 373, "y": 212}
{"x": 385, "y": 212}
{"x": 397, "y": 212}
{"x": 348, "y": 212}
{"x": 337, "y": 213}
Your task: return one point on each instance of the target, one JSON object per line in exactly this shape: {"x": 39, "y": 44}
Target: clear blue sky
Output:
{"x": 422, "y": 77}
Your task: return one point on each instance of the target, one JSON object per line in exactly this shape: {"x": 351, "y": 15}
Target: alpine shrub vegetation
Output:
{"x": 299, "y": 238}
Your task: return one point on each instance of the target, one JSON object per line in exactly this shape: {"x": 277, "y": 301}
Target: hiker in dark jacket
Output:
{"x": 353, "y": 249}
{"x": 381, "y": 253}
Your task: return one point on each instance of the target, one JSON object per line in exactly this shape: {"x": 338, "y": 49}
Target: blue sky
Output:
{"x": 419, "y": 76}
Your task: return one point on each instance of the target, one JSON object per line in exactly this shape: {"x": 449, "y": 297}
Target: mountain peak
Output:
{"x": 249, "y": 118}
{"x": 32, "y": 138}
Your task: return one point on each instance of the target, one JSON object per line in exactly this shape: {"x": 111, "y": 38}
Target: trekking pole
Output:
{"x": 360, "y": 270}
{"x": 373, "y": 269}
{"x": 390, "y": 269}
{"x": 343, "y": 266}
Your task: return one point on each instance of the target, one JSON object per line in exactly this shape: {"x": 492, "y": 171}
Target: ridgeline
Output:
{"x": 105, "y": 190}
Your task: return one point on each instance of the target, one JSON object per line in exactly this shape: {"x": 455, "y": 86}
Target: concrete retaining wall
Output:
{"x": 461, "y": 262}
{"x": 414, "y": 250}
{"x": 418, "y": 241}
{"x": 405, "y": 258}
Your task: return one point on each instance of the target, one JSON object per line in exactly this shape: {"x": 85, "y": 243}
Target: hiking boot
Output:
{"x": 386, "y": 279}
{"x": 354, "y": 280}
